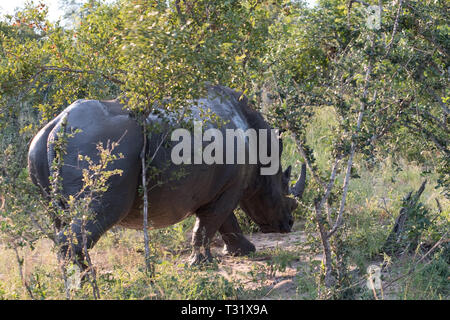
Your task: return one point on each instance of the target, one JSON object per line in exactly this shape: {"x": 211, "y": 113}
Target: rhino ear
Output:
{"x": 287, "y": 173}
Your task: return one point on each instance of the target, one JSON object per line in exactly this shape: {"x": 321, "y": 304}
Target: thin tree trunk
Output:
{"x": 62, "y": 265}
{"x": 352, "y": 151}
{"x": 148, "y": 265}
{"x": 324, "y": 235}
{"x": 20, "y": 262}
{"x": 91, "y": 269}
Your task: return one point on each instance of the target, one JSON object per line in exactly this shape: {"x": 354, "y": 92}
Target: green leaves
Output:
{"x": 318, "y": 57}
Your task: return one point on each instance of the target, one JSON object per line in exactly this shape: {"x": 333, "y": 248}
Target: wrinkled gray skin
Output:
{"x": 211, "y": 192}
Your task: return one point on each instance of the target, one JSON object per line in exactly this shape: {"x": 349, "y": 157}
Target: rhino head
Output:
{"x": 269, "y": 205}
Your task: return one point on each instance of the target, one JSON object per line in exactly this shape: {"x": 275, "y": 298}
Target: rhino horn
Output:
{"x": 299, "y": 187}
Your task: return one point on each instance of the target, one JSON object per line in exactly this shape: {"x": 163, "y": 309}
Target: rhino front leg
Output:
{"x": 235, "y": 242}
{"x": 209, "y": 219}
{"x": 203, "y": 232}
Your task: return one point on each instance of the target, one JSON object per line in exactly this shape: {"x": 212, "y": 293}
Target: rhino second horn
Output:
{"x": 299, "y": 187}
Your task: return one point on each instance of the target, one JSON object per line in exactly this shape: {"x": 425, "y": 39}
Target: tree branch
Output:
{"x": 394, "y": 30}
{"x": 352, "y": 152}
{"x": 66, "y": 69}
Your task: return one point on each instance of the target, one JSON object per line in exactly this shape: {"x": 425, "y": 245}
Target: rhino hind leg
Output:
{"x": 94, "y": 229}
{"x": 236, "y": 244}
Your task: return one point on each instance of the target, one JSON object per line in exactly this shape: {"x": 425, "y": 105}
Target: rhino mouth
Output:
{"x": 267, "y": 228}
{"x": 281, "y": 228}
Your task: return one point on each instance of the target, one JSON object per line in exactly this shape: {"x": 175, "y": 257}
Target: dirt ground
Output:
{"x": 279, "y": 269}
{"x": 254, "y": 272}
{"x": 272, "y": 272}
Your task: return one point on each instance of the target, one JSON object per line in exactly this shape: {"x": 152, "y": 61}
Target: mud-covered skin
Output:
{"x": 211, "y": 192}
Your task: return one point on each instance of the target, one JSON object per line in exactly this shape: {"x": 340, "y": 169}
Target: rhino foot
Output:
{"x": 238, "y": 247}
{"x": 198, "y": 258}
